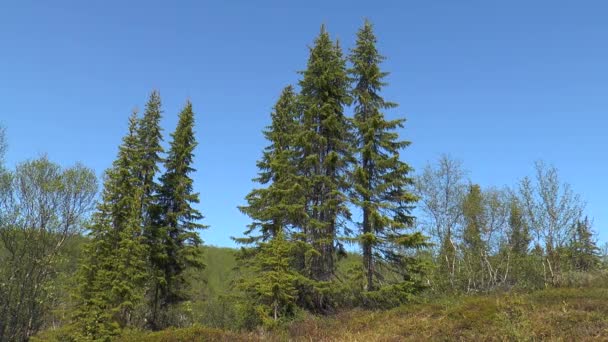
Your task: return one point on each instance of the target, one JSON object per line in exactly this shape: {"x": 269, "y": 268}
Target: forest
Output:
{"x": 346, "y": 241}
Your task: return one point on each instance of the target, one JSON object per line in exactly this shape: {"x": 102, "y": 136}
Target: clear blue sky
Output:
{"x": 495, "y": 84}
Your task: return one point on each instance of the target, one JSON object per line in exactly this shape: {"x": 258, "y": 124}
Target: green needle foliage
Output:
{"x": 474, "y": 246}
{"x": 519, "y": 237}
{"x": 177, "y": 221}
{"x": 281, "y": 205}
{"x": 271, "y": 288}
{"x": 114, "y": 270}
{"x": 381, "y": 180}
{"x": 584, "y": 253}
{"x": 149, "y": 135}
{"x": 143, "y": 235}
{"x": 325, "y": 139}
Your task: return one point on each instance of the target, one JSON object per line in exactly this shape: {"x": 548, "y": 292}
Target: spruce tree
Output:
{"x": 520, "y": 256}
{"x": 149, "y": 136}
{"x": 519, "y": 234}
{"x": 585, "y": 254}
{"x": 271, "y": 288}
{"x": 281, "y": 205}
{"x": 325, "y": 141}
{"x": 474, "y": 246}
{"x": 177, "y": 221}
{"x": 381, "y": 179}
{"x": 113, "y": 271}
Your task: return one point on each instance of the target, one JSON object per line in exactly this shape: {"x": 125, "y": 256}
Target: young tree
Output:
{"x": 441, "y": 189}
{"x": 474, "y": 248}
{"x": 585, "y": 254}
{"x": 178, "y": 222}
{"x": 381, "y": 179}
{"x": 271, "y": 288}
{"x": 519, "y": 235}
{"x": 325, "y": 140}
{"x": 114, "y": 268}
{"x": 552, "y": 209}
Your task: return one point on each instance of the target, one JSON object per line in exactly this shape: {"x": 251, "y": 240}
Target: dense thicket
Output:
{"x": 143, "y": 234}
{"x": 531, "y": 237}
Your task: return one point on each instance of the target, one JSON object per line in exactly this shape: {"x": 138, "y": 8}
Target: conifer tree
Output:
{"x": 280, "y": 205}
{"x": 178, "y": 222}
{"x": 473, "y": 213}
{"x": 149, "y": 136}
{"x": 113, "y": 272}
{"x": 381, "y": 179}
{"x": 519, "y": 235}
{"x": 325, "y": 140}
{"x": 474, "y": 246}
{"x": 583, "y": 248}
{"x": 521, "y": 258}
{"x": 272, "y": 287}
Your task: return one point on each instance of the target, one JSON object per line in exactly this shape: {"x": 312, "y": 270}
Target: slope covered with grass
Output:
{"x": 553, "y": 314}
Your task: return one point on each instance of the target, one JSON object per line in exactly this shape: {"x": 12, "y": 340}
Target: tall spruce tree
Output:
{"x": 113, "y": 271}
{"x": 149, "y": 135}
{"x": 149, "y": 138}
{"x": 281, "y": 205}
{"x": 325, "y": 140}
{"x": 381, "y": 179}
{"x": 177, "y": 221}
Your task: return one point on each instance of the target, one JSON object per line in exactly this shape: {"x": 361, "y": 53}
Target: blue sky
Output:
{"x": 495, "y": 84}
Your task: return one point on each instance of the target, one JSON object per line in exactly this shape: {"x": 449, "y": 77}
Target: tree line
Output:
{"x": 333, "y": 186}
{"x": 529, "y": 236}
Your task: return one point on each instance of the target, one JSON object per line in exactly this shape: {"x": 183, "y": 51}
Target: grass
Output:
{"x": 561, "y": 314}
{"x": 566, "y": 314}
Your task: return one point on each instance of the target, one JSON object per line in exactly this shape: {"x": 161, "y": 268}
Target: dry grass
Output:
{"x": 554, "y": 314}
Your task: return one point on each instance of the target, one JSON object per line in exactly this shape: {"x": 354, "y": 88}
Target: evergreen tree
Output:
{"x": 325, "y": 141}
{"x": 474, "y": 246}
{"x": 281, "y": 205}
{"x": 271, "y": 288}
{"x": 381, "y": 179}
{"x": 473, "y": 213}
{"x": 585, "y": 254}
{"x": 113, "y": 271}
{"x": 519, "y": 236}
{"x": 178, "y": 222}
{"x": 523, "y": 260}
{"x": 149, "y": 136}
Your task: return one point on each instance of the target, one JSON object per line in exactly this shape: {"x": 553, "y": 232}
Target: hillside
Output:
{"x": 573, "y": 314}
{"x": 552, "y": 314}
